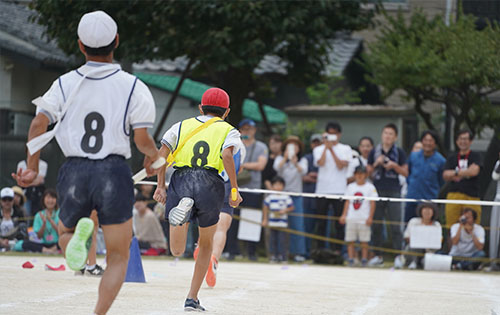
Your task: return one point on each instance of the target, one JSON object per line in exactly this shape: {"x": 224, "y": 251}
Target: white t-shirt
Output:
{"x": 359, "y": 210}
{"x": 42, "y": 167}
{"x": 97, "y": 122}
{"x": 465, "y": 246}
{"x": 416, "y": 222}
{"x": 332, "y": 180}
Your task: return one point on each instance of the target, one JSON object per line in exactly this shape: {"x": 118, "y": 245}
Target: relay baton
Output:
{"x": 142, "y": 173}
{"x": 234, "y": 194}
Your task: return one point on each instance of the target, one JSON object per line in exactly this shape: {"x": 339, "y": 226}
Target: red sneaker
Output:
{"x": 212, "y": 272}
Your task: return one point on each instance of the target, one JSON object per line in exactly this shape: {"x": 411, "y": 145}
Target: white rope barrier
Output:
{"x": 343, "y": 197}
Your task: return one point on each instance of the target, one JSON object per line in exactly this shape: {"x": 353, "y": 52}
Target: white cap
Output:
{"x": 7, "y": 192}
{"x": 97, "y": 29}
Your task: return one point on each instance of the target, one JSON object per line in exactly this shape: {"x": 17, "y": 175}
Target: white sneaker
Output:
{"x": 399, "y": 262}
{"x": 412, "y": 265}
{"x": 376, "y": 261}
{"x": 180, "y": 214}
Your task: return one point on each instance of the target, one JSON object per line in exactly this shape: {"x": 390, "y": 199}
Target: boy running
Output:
{"x": 94, "y": 107}
{"x": 202, "y": 147}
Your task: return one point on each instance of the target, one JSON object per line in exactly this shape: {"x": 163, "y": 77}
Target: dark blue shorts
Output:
{"x": 226, "y": 208}
{"x": 204, "y": 186}
{"x": 105, "y": 185}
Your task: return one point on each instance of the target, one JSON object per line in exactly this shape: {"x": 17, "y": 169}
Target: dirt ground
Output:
{"x": 252, "y": 288}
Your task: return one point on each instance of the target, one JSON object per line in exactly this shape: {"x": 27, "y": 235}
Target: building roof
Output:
{"x": 22, "y": 38}
{"x": 194, "y": 90}
{"x": 342, "y": 50}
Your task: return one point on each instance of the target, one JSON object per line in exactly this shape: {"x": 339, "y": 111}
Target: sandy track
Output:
{"x": 252, "y": 288}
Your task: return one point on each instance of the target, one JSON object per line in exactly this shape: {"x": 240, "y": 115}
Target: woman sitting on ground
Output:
{"x": 45, "y": 226}
{"x": 426, "y": 216}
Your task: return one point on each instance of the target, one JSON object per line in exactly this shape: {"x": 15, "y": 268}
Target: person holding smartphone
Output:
{"x": 291, "y": 166}
{"x": 332, "y": 159}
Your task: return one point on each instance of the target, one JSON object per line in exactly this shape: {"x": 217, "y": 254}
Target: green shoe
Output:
{"x": 78, "y": 247}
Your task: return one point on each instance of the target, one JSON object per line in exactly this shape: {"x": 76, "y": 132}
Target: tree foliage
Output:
{"x": 456, "y": 65}
{"x": 330, "y": 92}
{"x": 226, "y": 39}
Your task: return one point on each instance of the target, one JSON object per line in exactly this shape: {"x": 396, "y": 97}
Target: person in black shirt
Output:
{"x": 275, "y": 143}
{"x": 462, "y": 171}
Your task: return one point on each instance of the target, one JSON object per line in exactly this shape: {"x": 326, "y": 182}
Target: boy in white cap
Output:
{"x": 201, "y": 148}
{"x": 94, "y": 108}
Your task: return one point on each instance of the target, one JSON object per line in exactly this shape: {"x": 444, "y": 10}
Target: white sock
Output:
{"x": 90, "y": 267}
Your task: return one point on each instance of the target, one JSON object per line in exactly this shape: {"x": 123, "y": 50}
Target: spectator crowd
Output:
{"x": 29, "y": 217}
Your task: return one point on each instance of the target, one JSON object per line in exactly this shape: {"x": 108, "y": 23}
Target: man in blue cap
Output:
{"x": 254, "y": 163}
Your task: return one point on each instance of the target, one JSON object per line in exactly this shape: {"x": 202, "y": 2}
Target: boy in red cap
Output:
{"x": 201, "y": 148}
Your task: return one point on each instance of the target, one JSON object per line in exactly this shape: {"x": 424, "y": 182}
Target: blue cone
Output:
{"x": 135, "y": 272}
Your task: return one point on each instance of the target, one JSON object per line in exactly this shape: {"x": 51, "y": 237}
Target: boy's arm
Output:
{"x": 228, "y": 161}
{"x": 25, "y": 178}
{"x": 344, "y": 212}
{"x": 147, "y": 146}
{"x": 372, "y": 212}
{"x": 265, "y": 215}
{"x": 160, "y": 194}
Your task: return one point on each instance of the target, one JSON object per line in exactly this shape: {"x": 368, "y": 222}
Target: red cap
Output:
{"x": 215, "y": 97}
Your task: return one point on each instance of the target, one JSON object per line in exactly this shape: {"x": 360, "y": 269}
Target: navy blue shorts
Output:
{"x": 226, "y": 208}
{"x": 204, "y": 186}
{"x": 105, "y": 185}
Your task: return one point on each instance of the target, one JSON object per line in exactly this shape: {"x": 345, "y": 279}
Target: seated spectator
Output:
{"x": 147, "y": 228}
{"x": 45, "y": 226}
{"x": 426, "y": 216}
{"x": 19, "y": 199}
{"x": 12, "y": 226}
{"x": 291, "y": 167}
{"x": 275, "y": 211}
{"x": 467, "y": 238}
{"x": 147, "y": 191}
{"x": 358, "y": 215}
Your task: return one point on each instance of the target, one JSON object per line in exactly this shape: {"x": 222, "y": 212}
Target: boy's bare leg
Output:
{"x": 350, "y": 250}
{"x": 65, "y": 235}
{"x": 364, "y": 250}
{"x": 220, "y": 235}
{"x": 117, "y": 238}
{"x": 201, "y": 266}
{"x": 93, "y": 249}
{"x": 178, "y": 239}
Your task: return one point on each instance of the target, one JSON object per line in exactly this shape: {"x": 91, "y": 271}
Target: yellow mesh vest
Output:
{"x": 204, "y": 149}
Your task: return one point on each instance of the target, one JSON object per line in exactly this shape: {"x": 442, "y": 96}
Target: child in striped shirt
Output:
{"x": 276, "y": 207}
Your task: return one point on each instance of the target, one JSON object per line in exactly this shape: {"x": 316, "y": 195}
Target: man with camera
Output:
{"x": 385, "y": 163}
{"x": 467, "y": 240}
{"x": 332, "y": 159}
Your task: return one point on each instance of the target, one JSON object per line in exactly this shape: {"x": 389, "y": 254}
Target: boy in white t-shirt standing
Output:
{"x": 358, "y": 214}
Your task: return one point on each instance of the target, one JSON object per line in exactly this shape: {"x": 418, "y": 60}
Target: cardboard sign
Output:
{"x": 250, "y": 231}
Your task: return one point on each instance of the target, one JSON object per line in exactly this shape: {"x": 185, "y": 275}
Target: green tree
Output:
{"x": 456, "y": 65}
{"x": 331, "y": 92}
{"x": 226, "y": 40}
